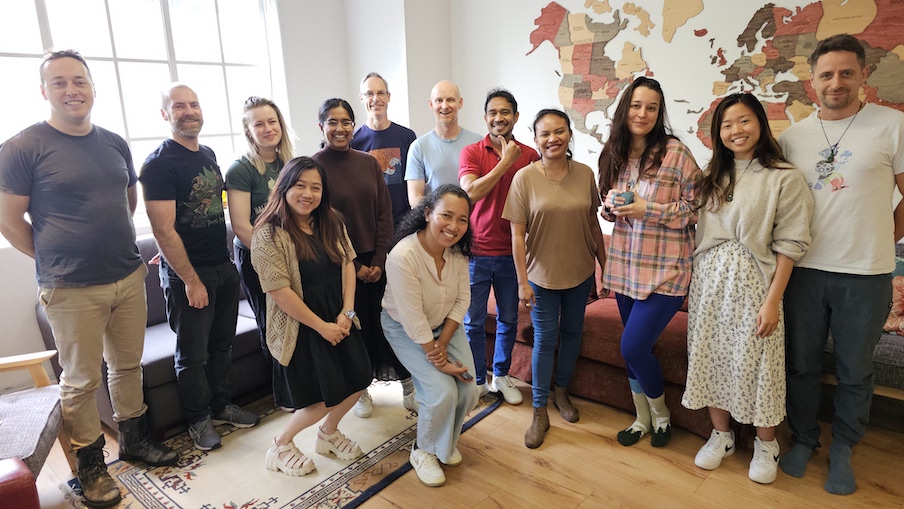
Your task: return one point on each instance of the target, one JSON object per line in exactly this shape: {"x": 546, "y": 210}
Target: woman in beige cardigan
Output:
{"x": 320, "y": 363}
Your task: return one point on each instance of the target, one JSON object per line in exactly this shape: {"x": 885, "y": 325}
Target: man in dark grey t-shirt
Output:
{"x": 76, "y": 182}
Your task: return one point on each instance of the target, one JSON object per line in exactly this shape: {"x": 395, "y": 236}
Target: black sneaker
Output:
{"x": 235, "y": 415}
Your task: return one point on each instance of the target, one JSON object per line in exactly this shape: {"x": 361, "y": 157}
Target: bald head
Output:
{"x": 181, "y": 108}
{"x": 445, "y": 101}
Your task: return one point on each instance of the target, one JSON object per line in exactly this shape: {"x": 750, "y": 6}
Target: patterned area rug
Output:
{"x": 235, "y": 476}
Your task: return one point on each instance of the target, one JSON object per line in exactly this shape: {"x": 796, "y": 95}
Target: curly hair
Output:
{"x": 416, "y": 220}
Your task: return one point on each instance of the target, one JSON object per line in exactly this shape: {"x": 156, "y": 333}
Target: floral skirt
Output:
{"x": 729, "y": 367}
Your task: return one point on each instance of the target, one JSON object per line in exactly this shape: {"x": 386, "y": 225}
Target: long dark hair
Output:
{"x": 556, "y": 113}
{"x": 615, "y": 153}
{"x": 327, "y": 223}
{"x": 416, "y": 220}
{"x": 719, "y": 181}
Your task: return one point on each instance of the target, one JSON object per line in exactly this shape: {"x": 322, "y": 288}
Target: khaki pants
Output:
{"x": 90, "y": 324}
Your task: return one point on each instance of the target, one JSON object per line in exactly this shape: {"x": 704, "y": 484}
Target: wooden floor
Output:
{"x": 582, "y": 466}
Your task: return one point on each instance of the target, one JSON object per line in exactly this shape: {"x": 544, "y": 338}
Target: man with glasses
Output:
{"x": 183, "y": 193}
{"x": 433, "y": 158}
{"x": 76, "y": 182}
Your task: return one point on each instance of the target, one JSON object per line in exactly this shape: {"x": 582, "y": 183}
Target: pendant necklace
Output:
{"x": 833, "y": 149}
{"x": 543, "y": 168}
{"x": 730, "y": 196}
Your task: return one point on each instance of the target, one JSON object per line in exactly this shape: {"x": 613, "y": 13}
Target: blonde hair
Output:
{"x": 284, "y": 151}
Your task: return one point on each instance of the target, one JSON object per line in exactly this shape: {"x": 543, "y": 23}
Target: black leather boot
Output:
{"x": 135, "y": 444}
{"x": 98, "y": 488}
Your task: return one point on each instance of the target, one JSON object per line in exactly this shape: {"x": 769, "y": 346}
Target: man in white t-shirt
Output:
{"x": 433, "y": 158}
{"x": 852, "y": 155}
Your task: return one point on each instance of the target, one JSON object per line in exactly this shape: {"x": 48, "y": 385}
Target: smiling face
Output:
{"x": 500, "y": 117}
{"x": 837, "y": 77}
{"x": 445, "y": 101}
{"x": 740, "y": 131}
{"x": 183, "y": 112}
{"x": 67, "y": 86}
{"x": 304, "y": 197}
{"x": 552, "y": 135}
{"x": 337, "y": 129}
{"x": 262, "y": 126}
{"x": 643, "y": 112}
{"x": 447, "y": 222}
{"x": 375, "y": 96}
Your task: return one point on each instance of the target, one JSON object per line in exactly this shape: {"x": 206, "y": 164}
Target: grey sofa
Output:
{"x": 251, "y": 374}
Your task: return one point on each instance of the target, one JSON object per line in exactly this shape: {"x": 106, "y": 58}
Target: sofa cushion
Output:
{"x": 888, "y": 361}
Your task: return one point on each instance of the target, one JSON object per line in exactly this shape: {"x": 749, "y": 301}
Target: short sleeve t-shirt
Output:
{"x": 560, "y": 246}
{"x": 390, "y": 148}
{"x": 78, "y": 203}
{"x": 243, "y": 176}
{"x": 435, "y": 160}
{"x": 193, "y": 180}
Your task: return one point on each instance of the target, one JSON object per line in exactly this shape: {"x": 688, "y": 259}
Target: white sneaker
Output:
{"x": 510, "y": 393}
{"x": 427, "y": 467}
{"x": 364, "y": 408}
{"x": 409, "y": 402}
{"x": 764, "y": 466}
{"x": 483, "y": 390}
{"x": 455, "y": 459}
{"x": 720, "y": 445}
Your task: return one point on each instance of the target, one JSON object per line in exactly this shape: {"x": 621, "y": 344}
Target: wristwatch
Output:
{"x": 350, "y": 314}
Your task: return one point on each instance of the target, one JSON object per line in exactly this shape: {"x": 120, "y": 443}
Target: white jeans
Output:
{"x": 444, "y": 400}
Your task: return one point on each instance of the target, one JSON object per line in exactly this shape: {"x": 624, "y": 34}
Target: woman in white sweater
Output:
{"x": 754, "y": 217}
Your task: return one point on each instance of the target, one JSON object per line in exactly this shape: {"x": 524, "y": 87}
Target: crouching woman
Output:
{"x": 427, "y": 294}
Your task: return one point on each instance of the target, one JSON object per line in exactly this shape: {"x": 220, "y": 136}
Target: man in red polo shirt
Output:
{"x": 486, "y": 169}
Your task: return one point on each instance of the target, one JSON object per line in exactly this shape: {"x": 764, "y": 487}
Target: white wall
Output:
{"x": 18, "y": 296}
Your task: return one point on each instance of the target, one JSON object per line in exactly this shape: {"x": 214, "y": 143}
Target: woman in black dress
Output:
{"x": 321, "y": 365}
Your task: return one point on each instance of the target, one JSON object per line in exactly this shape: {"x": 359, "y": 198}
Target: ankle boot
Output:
{"x": 98, "y": 488}
{"x": 661, "y": 421}
{"x": 538, "y": 428}
{"x": 566, "y": 409}
{"x": 135, "y": 444}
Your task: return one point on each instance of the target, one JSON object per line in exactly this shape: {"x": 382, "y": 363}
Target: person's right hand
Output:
{"x": 455, "y": 369}
{"x": 526, "y": 296}
{"x": 333, "y": 333}
{"x": 510, "y": 150}
{"x": 197, "y": 295}
{"x": 611, "y": 196}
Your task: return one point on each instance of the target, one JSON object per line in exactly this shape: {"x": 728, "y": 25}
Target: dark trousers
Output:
{"x": 203, "y": 337}
{"x": 257, "y": 299}
{"x": 854, "y": 309}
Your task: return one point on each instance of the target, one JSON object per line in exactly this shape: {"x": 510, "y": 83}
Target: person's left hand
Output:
{"x": 635, "y": 210}
{"x": 375, "y": 274}
{"x": 344, "y": 322}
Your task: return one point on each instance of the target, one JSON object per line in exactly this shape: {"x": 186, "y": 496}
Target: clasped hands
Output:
{"x": 616, "y": 204}
{"x": 335, "y": 332}
{"x": 369, "y": 274}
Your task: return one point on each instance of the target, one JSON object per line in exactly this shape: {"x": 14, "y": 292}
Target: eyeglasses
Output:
{"x": 336, "y": 123}
{"x": 382, "y": 94}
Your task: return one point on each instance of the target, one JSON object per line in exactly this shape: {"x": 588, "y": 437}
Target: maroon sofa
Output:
{"x": 601, "y": 373}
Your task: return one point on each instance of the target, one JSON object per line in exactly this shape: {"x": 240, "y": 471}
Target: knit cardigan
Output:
{"x": 276, "y": 262}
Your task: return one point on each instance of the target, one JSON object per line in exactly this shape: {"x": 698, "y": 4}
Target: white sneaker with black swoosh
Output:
{"x": 764, "y": 466}
{"x": 720, "y": 445}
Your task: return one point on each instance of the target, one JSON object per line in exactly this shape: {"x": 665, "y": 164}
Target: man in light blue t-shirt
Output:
{"x": 433, "y": 158}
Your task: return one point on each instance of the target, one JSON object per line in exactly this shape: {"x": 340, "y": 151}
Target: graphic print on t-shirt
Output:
{"x": 827, "y": 169}
{"x": 390, "y": 159}
{"x": 204, "y": 206}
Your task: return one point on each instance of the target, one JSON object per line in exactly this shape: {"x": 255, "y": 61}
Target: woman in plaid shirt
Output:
{"x": 647, "y": 177}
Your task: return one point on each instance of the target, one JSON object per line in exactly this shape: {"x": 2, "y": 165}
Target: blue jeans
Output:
{"x": 558, "y": 317}
{"x": 444, "y": 400}
{"x": 644, "y": 321}
{"x": 854, "y": 309}
{"x": 203, "y": 337}
{"x": 498, "y": 271}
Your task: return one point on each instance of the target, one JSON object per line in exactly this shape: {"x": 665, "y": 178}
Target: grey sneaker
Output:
{"x": 204, "y": 435}
{"x": 235, "y": 415}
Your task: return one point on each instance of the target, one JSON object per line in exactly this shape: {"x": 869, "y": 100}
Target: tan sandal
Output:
{"x": 338, "y": 444}
{"x": 293, "y": 463}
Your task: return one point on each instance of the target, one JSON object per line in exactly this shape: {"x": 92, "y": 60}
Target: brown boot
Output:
{"x": 98, "y": 488}
{"x": 561, "y": 400}
{"x": 538, "y": 428}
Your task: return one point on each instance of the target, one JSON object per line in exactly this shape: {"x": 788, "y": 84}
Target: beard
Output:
{"x": 181, "y": 129}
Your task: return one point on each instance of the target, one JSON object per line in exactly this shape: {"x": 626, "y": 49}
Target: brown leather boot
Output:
{"x": 566, "y": 408}
{"x": 98, "y": 488}
{"x": 538, "y": 428}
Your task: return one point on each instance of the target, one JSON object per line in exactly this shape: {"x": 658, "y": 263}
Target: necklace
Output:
{"x": 833, "y": 149}
{"x": 730, "y": 196}
{"x": 543, "y": 168}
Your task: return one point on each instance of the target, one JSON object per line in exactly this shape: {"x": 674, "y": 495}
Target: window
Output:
{"x": 135, "y": 48}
